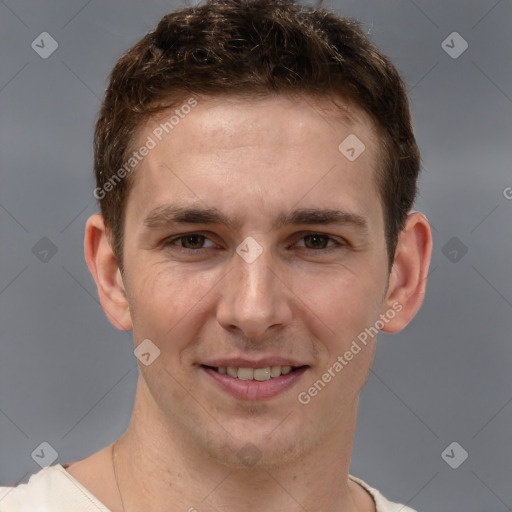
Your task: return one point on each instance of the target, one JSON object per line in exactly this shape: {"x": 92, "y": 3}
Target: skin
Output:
{"x": 304, "y": 298}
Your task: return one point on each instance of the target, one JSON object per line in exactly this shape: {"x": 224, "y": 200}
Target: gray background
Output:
{"x": 68, "y": 377}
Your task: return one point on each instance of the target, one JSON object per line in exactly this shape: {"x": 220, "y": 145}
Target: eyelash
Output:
{"x": 336, "y": 244}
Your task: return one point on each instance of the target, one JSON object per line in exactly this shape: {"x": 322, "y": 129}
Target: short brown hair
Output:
{"x": 255, "y": 48}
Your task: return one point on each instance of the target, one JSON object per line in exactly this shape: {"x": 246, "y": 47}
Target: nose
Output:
{"x": 255, "y": 297}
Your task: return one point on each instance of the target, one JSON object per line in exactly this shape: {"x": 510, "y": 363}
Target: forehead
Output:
{"x": 267, "y": 152}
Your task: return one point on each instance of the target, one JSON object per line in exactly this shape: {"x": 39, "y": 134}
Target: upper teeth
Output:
{"x": 255, "y": 373}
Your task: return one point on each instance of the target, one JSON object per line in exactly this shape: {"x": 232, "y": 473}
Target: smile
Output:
{"x": 259, "y": 374}
{"x": 261, "y": 383}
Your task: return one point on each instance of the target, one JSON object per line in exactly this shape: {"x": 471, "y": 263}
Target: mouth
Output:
{"x": 258, "y": 374}
{"x": 248, "y": 383}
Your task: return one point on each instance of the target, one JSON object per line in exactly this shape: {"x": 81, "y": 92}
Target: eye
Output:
{"x": 191, "y": 241}
{"x": 317, "y": 241}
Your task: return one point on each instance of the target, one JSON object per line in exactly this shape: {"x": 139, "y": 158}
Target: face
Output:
{"x": 253, "y": 242}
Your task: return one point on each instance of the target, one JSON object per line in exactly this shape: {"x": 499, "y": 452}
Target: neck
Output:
{"x": 157, "y": 465}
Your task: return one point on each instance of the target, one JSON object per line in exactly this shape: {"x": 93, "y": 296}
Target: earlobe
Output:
{"x": 408, "y": 278}
{"x": 105, "y": 270}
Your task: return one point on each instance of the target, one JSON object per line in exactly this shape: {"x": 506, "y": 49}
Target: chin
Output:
{"x": 258, "y": 453}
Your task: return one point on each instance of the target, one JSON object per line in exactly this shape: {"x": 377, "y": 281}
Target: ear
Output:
{"x": 105, "y": 270}
{"x": 408, "y": 277}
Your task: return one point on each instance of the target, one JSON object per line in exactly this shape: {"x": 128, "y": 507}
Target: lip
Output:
{"x": 253, "y": 389}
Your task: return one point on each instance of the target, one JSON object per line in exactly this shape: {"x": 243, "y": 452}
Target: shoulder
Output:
{"x": 52, "y": 489}
{"x": 381, "y": 503}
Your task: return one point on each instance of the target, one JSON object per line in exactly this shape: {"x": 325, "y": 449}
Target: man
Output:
{"x": 256, "y": 170}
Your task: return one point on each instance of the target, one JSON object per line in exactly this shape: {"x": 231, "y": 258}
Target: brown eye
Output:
{"x": 191, "y": 241}
{"x": 316, "y": 241}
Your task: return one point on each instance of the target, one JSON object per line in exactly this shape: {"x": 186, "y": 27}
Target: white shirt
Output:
{"x": 53, "y": 489}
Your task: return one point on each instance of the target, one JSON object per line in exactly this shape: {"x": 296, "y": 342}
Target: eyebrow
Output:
{"x": 173, "y": 214}
{"x": 321, "y": 216}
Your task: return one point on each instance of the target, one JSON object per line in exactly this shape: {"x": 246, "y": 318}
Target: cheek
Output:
{"x": 341, "y": 312}
{"x": 343, "y": 301}
{"x": 167, "y": 301}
